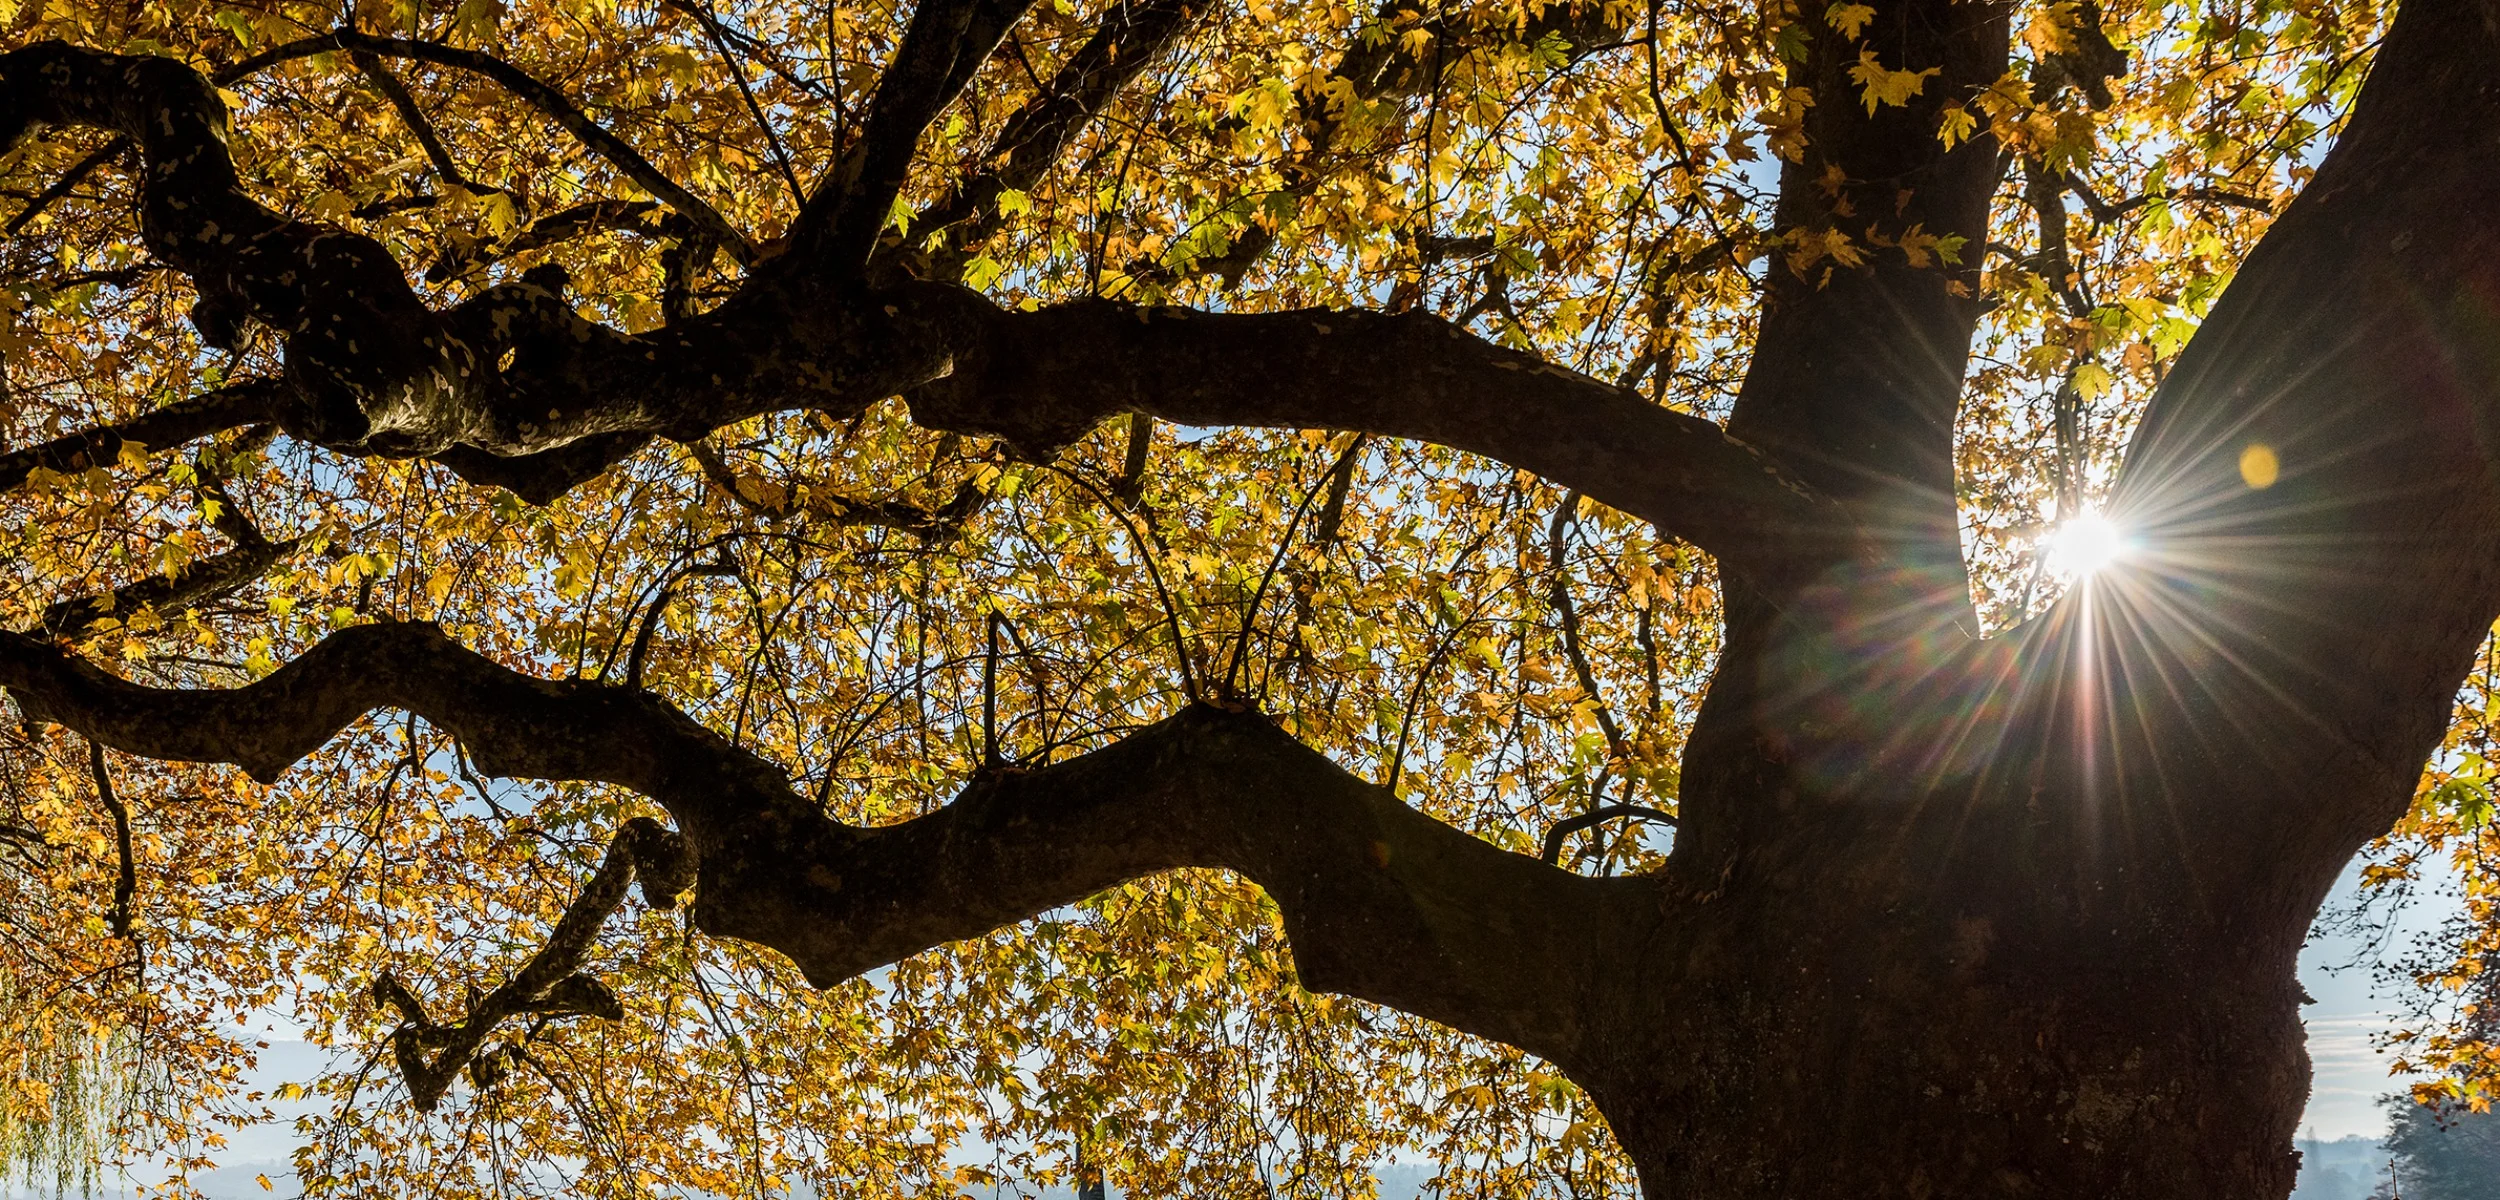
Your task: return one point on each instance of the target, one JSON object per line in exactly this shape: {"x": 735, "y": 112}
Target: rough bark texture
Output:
{"x": 1946, "y": 917}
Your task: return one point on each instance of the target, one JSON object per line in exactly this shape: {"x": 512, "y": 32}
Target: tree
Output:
{"x": 530, "y": 365}
{"x": 2450, "y": 1155}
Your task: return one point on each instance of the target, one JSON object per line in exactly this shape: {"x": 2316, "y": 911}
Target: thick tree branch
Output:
{"x": 1858, "y": 371}
{"x": 374, "y": 372}
{"x": 1381, "y": 901}
{"x": 367, "y": 360}
{"x": 543, "y": 476}
{"x": 551, "y": 983}
{"x": 1855, "y": 383}
{"x": 1040, "y": 379}
{"x": 945, "y": 43}
{"x": 2318, "y": 473}
{"x": 231, "y": 407}
{"x": 1133, "y": 34}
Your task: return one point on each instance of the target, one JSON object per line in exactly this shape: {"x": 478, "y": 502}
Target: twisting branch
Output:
{"x": 1381, "y": 901}
{"x": 542, "y": 477}
{"x": 1042, "y": 379}
{"x": 363, "y": 352}
{"x": 515, "y": 388}
{"x": 551, "y": 983}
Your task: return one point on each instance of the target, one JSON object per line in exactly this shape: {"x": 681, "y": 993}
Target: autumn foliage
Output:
{"x": 894, "y": 609}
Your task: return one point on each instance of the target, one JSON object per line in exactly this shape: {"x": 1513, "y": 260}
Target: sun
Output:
{"x": 2085, "y": 545}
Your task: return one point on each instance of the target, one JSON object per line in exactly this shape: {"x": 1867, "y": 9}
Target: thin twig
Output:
{"x": 1171, "y": 612}
{"x": 1284, "y": 546}
{"x": 737, "y": 72}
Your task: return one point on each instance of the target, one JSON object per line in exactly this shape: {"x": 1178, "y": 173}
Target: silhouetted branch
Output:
{"x": 551, "y": 983}
{"x": 67, "y": 183}
{"x": 126, "y": 881}
{"x": 231, "y": 407}
{"x": 1563, "y": 829}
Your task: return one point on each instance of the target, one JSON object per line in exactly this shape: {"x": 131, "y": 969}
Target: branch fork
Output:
{"x": 551, "y": 984}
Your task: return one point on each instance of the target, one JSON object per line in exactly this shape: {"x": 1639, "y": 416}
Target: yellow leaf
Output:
{"x": 1849, "y": 19}
{"x": 2092, "y": 381}
{"x": 1957, "y": 124}
{"x": 1883, "y": 86}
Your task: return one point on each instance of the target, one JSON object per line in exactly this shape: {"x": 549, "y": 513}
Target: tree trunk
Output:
{"x": 1946, "y": 916}
{"x": 2020, "y": 917}
{"x": 1930, "y": 1023}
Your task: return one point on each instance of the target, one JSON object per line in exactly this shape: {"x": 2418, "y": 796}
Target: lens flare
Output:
{"x": 2085, "y": 545}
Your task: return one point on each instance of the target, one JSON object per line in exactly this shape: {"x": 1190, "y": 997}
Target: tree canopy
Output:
{"x": 519, "y": 439}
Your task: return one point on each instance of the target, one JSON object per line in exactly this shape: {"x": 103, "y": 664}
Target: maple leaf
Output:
{"x": 1880, "y": 86}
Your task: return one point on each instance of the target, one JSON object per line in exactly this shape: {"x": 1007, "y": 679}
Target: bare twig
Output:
{"x": 414, "y": 118}
{"x": 1284, "y": 546}
{"x": 720, "y": 565}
